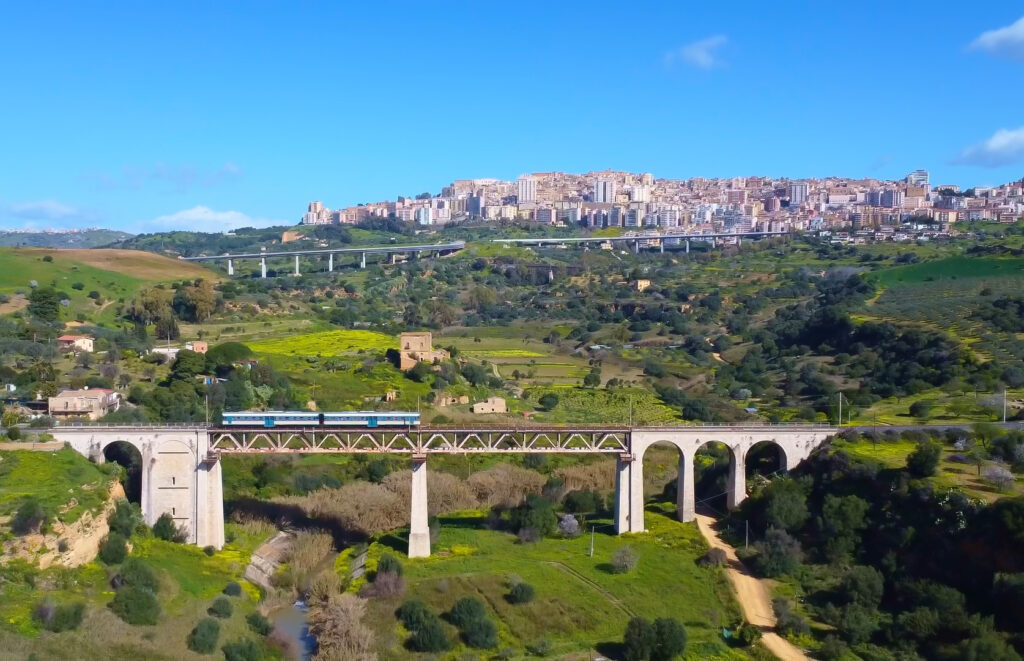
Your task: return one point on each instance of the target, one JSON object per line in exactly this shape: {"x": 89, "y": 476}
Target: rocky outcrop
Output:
{"x": 80, "y": 540}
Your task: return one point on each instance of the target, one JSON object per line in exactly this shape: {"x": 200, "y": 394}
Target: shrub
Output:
{"x": 30, "y": 517}
{"x": 58, "y": 618}
{"x": 387, "y": 584}
{"x": 715, "y": 557}
{"x": 465, "y": 610}
{"x": 259, "y": 624}
{"x": 167, "y": 530}
{"x": 338, "y": 628}
{"x": 639, "y": 640}
{"x": 203, "y": 638}
{"x": 521, "y": 593}
{"x": 535, "y": 514}
{"x": 788, "y": 621}
{"x": 748, "y": 634}
{"x": 669, "y": 639}
{"x": 778, "y": 553}
{"x": 413, "y": 614}
{"x": 324, "y": 585}
{"x": 137, "y": 574}
{"x": 429, "y": 637}
{"x": 389, "y": 563}
{"x": 568, "y": 526}
{"x": 583, "y": 502}
{"x": 624, "y": 560}
{"x": 924, "y": 460}
{"x": 125, "y": 517}
{"x": 233, "y": 589}
{"x": 480, "y": 634}
{"x": 832, "y": 649}
{"x": 13, "y": 433}
{"x": 221, "y": 608}
{"x": 209, "y": 550}
{"x": 540, "y": 647}
{"x": 135, "y": 605}
{"x": 548, "y": 401}
{"x": 113, "y": 549}
{"x": 242, "y": 650}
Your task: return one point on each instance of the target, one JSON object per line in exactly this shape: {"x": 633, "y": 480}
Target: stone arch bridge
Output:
{"x": 181, "y": 471}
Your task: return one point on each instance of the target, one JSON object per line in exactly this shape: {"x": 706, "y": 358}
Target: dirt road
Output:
{"x": 753, "y": 596}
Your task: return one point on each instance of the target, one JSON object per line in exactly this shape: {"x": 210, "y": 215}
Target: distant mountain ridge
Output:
{"x": 91, "y": 238}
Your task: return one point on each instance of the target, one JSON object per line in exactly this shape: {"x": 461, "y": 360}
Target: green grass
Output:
{"x": 326, "y": 343}
{"x": 603, "y": 406}
{"x": 55, "y": 479}
{"x": 580, "y": 605}
{"x": 950, "y": 268}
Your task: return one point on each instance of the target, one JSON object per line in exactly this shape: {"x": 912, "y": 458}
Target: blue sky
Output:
{"x": 211, "y": 115}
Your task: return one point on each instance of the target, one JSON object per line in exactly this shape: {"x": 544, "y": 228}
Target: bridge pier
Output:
{"x": 231, "y": 267}
{"x": 330, "y": 262}
{"x": 737, "y": 489}
{"x": 636, "y": 247}
{"x": 263, "y": 267}
{"x": 297, "y": 265}
{"x": 419, "y": 525}
{"x": 687, "y": 246}
{"x": 362, "y": 261}
{"x": 686, "y": 505}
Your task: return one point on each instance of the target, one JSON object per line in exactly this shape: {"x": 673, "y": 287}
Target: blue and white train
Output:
{"x": 314, "y": 419}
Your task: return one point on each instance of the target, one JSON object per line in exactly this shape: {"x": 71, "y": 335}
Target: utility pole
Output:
{"x": 746, "y": 536}
{"x": 1004, "y": 406}
{"x": 591, "y": 541}
{"x": 840, "y": 408}
{"x": 631, "y": 410}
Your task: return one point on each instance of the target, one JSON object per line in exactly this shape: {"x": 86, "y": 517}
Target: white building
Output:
{"x": 604, "y": 191}
{"x": 526, "y": 189}
{"x": 424, "y": 216}
{"x": 918, "y": 178}
{"x": 797, "y": 193}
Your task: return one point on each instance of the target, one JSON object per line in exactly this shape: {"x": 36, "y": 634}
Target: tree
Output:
{"x": 44, "y": 304}
{"x": 624, "y": 560}
{"x": 136, "y": 573}
{"x": 778, "y": 553}
{"x": 921, "y": 408}
{"x": 166, "y": 529}
{"x": 480, "y": 634}
{"x": 203, "y": 638}
{"x": 188, "y": 364}
{"x": 466, "y": 610}
{"x": 113, "y": 549}
{"x": 592, "y": 379}
{"x": 221, "y": 607}
{"x": 429, "y": 637}
{"x": 864, "y": 585}
{"x": 245, "y": 649}
{"x": 125, "y": 517}
{"x": 548, "y": 401}
{"x": 29, "y": 518}
{"x": 413, "y": 614}
{"x": 639, "y": 640}
{"x": 988, "y": 647}
{"x": 670, "y": 639}
{"x": 202, "y": 298}
{"x": 786, "y": 506}
{"x": 924, "y": 460}
{"x": 136, "y": 605}
{"x": 389, "y": 564}
{"x": 536, "y": 514}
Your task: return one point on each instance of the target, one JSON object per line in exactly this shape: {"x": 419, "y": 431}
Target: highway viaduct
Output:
{"x": 390, "y": 251}
{"x": 658, "y": 240}
{"x": 181, "y": 469}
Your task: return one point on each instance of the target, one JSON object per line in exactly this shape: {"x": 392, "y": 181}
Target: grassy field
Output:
{"x": 326, "y": 343}
{"x": 950, "y": 268}
{"x": 946, "y": 408}
{"x": 55, "y": 479}
{"x": 581, "y": 607}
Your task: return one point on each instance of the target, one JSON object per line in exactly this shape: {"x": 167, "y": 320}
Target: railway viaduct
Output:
{"x": 181, "y": 470}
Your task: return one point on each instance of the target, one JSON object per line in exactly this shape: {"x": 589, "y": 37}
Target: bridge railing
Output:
{"x": 565, "y": 428}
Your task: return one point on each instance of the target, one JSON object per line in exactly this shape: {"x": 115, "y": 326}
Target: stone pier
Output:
{"x": 419, "y": 526}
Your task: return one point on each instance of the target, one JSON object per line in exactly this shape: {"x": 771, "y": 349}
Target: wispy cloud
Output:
{"x": 180, "y": 178}
{"x": 1005, "y": 147}
{"x": 44, "y": 214}
{"x": 701, "y": 54}
{"x": 1006, "y": 41}
{"x": 204, "y": 219}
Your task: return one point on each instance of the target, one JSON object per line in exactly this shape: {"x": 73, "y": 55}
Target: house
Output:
{"x": 490, "y": 405}
{"x": 75, "y": 343}
{"x": 416, "y": 348}
{"x": 641, "y": 284}
{"x": 91, "y": 403}
{"x": 170, "y": 352}
{"x": 199, "y": 346}
{"x": 451, "y": 400}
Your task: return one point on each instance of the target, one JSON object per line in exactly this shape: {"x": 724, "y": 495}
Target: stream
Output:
{"x": 293, "y": 621}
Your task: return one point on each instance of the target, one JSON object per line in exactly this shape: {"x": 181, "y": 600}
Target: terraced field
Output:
{"x": 326, "y": 343}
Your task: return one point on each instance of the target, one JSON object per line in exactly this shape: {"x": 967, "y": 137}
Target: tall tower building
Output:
{"x": 526, "y": 189}
{"x": 604, "y": 190}
{"x": 640, "y": 193}
{"x": 797, "y": 193}
{"x": 918, "y": 178}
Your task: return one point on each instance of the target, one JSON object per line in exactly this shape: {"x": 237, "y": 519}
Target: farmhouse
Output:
{"x": 416, "y": 348}
{"x": 199, "y": 346}
{"x": 75, "y": 343}
{"x": 89, "y": 403}
{"x": 490, "y": 405}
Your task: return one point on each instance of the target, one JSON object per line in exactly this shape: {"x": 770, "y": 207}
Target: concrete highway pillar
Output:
{"x": 737, "y": 489}
{"x": 686, "y": 507}
{"x": 394, "y": 258}
{"x": 419, "y": 527}
{"x": 636, "y": 495}
{"x": 636, "y": 247}
{"x": 622, "y": 471}
{"x": 687, "y": 246}
{"x": 739, "y": 241}
{"x": 231, "y": 267}
{"x": 297, "y": 265}
{"x": 330, "y": 262}
{"x": 714, "y": 242}
{"x": 263, "y": 266}
{"x": 661, "y": 246}
{"x": 362, "y": 261}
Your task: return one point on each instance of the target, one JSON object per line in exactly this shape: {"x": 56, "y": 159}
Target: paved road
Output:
{"x": 753, "y": 595}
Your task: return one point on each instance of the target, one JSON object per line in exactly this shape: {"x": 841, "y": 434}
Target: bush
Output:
{"x": 568, "y": 526}
{"x": 209, "y": 550}
{"x": 13, "y": 433}
{"x": 788, "y": 621}
{"x": 583, "y": 502}
{"x": 135, "y": 605}
{"x": 521, "y": 593}
{"x": 125, "y": 517}
{"x": 259, "y": 624}
{"x": 30, "y": 517}
{"x": 535, "y": 514}
{"x": 429, "y": 637}
{"x": 466, "y": 610}
{"x": 166, "y": 529}
{"x": 242, "y": 650}
{"x": 385, "y": 585}
{"x": 639, "y": 640}
{"x": 715, "y": 557}
{"x": 779, "y": 553}
{"x": 389, "y": 563}
{"x": 65, "y": 617}
{"x": 748, "y": 634}
{"x": 137, "y": 574}
{"x": 832, "y": 649}
{"x": 540, "y": 647}
{"x": 203, "y": 638}
{"x": 669, "y": 639}
{"x": 413, "y": 614}
{"x": 221, "y": 608}
{"x": 548, "y": 402}
{"x": 113, "y": 549}
{"x": 233, "y": 589}
{"x": 624, "y": 560}
{"x": 480, "y": 634}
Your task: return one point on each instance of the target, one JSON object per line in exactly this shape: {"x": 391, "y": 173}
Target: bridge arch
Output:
{"x": 128, "y": 456}
{"x": 766, "y": 457}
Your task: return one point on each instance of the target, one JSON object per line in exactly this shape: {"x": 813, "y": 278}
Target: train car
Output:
{"x": 313, "y": 419}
